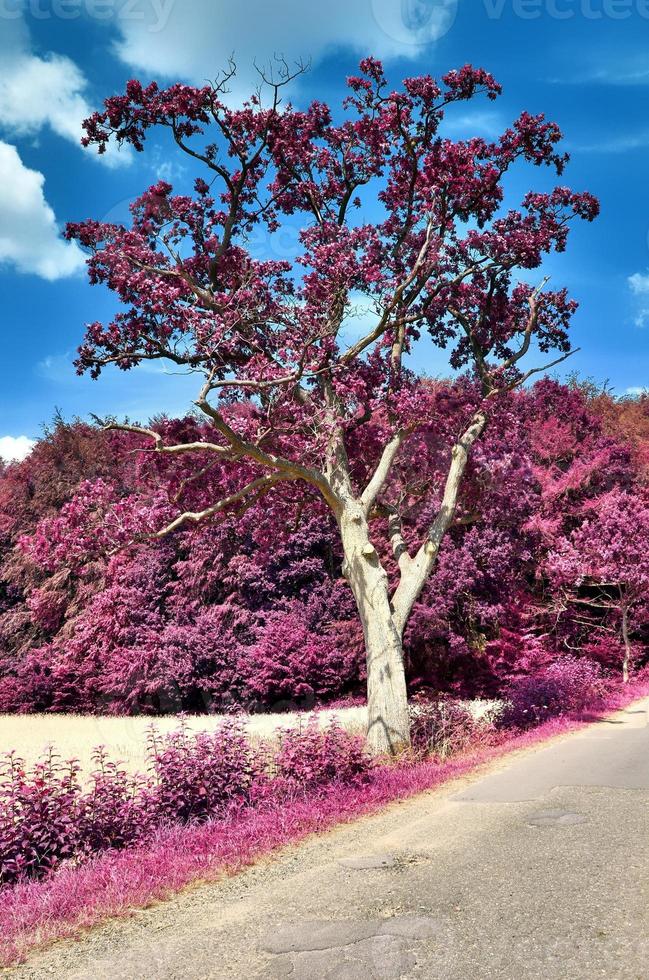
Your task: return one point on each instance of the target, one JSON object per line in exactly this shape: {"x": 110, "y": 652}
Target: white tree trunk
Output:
{"x": 384, "y": 619}
{"x": 387, "y": 698}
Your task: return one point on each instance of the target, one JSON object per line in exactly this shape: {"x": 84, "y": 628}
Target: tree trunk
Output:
{"x": 388, "y": 729}
{"x": 626, "y": 663}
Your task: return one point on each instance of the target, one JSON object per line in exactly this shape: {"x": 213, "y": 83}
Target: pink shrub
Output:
{"x": 314, "y": 757}
{"x": 568, "y": 685}
{"x": 442, "y": 727}
{"x": 47, "y": 817}
{"x": 113, "y": 814}
{"x": 39, "y": 817}
{"x": 196, "y": 776}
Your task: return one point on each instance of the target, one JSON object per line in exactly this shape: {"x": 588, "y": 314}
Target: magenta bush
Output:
{"x": 197, "y": 776}
{"x": 113, "y": 813}
{"x": 40, "y": 817}
{"x": 47, "y": 817}
{"x": 442, "y": 727}
{"x": 570, "y": 684}
{"x": 313, "y": 757}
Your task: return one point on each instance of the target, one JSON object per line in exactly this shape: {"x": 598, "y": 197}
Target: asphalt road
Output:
{"x": 537, "y": 869}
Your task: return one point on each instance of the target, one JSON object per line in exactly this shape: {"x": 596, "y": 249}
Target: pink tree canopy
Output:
{"x": 608, "y": 553}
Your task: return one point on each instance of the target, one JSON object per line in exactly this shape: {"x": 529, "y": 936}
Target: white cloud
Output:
{"x": 636, "y": 390}
{"x": 37, "y": 92}
{"x": 480, "y": 123}
{"x": 625, "y": 143}
{"x": 597, "y": 65}
{"x": 43, "y": 92}
{"x": 15, "y": 447}
{"x": 29, "y": 236}
{"x": 212, "y": 30}
{"x": 639, "y": 286}
{"x": 639, "y": 283}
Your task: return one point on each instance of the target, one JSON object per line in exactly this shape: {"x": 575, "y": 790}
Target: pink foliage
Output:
{"x": 302, "y": 165}
{"x": 294, "y": 660}
{"x": 114, "y": 883}
{"x": 47, "y": 818}
{"x": 314, "y": 757}
{"x": 198, "y": 776}
{"x": 39, "y": 817}
{"x": 239, "y": 613}
{"x": 568, "y": 685}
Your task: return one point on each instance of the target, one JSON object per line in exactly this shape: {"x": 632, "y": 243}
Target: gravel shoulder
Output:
{"x": 538, "y": 868}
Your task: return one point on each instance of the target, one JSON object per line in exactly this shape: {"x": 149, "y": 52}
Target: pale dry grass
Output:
{"x": 75, "y": 736}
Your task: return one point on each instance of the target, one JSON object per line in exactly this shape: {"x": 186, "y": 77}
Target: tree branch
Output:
{"x": 287, "y": 467}
{"x": 419, "y": 568}
{"x": 382, "y": 325}
{"x": 397, "y": 540}
{"x": 185, "y": 447}
{"x": 263, "y": 483}
{"x": 532, "y": 320}
{"x": 538, "y": 370}
{"x": 381, "y": 473}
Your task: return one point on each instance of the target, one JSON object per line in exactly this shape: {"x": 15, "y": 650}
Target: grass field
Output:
{"x": 75, "y": 736}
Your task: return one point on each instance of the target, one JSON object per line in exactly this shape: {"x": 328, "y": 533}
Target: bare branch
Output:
{"x": 532, "y": 320}
{"x": 262, "y": 483}
{"x": 537, "y": 370}
{"x": 289, "y": 469}
{"x": 185, "y": 447}
{"x": 486, "y": 373}
{"x": 419, "y": 568}
{"x": 467, "y": 519}
{"x": 478, "y": 356}
{"x": 381, "y": 473}
{"x": 395, "y": 535}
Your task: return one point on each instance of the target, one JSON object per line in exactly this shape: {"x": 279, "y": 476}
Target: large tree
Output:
{"x": 395, "y": 223}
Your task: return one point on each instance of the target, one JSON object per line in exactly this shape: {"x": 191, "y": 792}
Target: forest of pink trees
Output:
{"x": 543, "y": 565}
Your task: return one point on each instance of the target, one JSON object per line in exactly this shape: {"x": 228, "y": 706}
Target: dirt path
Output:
{"x": 538, "y": 869}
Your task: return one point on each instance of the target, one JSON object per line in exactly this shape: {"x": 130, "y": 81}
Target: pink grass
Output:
{"x": 114, "y": 884}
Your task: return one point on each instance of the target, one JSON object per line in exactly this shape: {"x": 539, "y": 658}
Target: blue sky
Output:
{"x": 585, "y": 63}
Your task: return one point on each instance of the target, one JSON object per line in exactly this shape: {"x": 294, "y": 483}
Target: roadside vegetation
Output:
{"x": 213, "y": 805}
